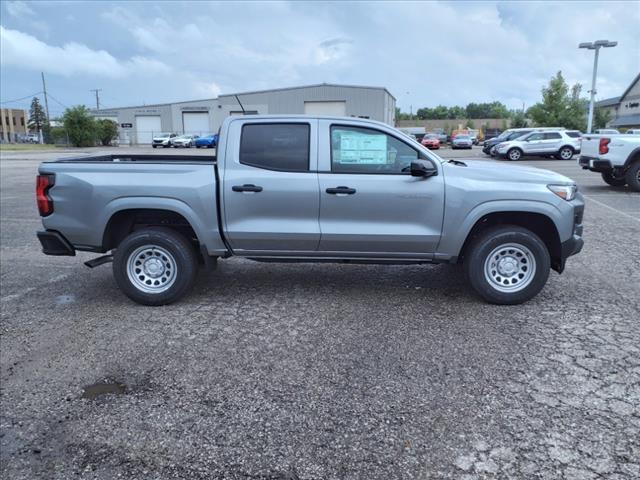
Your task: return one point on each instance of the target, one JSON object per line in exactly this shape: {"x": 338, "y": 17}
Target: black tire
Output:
{"x": 612, "y": 180}
{"x": 633, "y": 176}
{"x": 154, "y": 146}
{"x": 488, "y": 242}
{"x": 211, "y": 145}
{"x": 514, "y": 154}
{"x": 184, "y": 262}
{"x": 565, "y": 153}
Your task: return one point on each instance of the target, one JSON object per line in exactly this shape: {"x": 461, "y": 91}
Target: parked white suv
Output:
{"x": 555, "y": 143}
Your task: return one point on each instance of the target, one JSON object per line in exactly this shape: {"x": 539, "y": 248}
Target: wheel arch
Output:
{"x": 633, "y": 157}
{"x": 539, "y": 222}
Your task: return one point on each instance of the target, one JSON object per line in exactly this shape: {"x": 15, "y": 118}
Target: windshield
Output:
{"x": 164, "y": 135}
{"x": 515, "y": 135}
{"x": 462, "y": 137}
{"x": 431, "y": 135}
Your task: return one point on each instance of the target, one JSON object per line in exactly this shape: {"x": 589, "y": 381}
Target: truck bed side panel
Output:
{"x": 86, "y": 195}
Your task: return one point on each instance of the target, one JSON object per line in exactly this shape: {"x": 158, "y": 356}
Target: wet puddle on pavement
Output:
{"x": 97, "y": 389}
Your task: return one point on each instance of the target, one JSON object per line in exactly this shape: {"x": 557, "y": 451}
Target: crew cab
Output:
{"x": 615, "y": 157}
{"x": 309, "y": 189}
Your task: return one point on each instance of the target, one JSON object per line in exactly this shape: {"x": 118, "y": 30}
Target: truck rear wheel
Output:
{"x": 632, "y": 176}
{"x": 507, "y": 265}
{"x": 155, "y": 266}
{"x": 612, "y": 180}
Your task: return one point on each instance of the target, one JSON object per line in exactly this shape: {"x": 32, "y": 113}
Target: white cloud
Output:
{"x": 442, "y": 52}
{"x": 22, "y": 50}
{"x": 19, "y": 9}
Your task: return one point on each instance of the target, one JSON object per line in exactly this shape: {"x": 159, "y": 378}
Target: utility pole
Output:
{"x": 594, "y": 46}
{"x": 46, "y": 103}
{"x": 97, "y": 97}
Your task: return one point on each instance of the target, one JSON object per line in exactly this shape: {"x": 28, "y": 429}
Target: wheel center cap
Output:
{"x": 153, "y": 267}
{"x": 508, "y": 266}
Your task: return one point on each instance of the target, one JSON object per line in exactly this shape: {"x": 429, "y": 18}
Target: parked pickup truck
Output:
{"x": 616, "y": 157}
{"x": 308, "y": 189}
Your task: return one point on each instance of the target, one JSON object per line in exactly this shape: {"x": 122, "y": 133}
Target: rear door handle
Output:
{"x": 247, "y": 187}
{"x": 341, "y": 190}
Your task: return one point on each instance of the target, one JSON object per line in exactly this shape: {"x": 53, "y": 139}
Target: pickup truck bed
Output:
{"x": 615, "y": 157}
{"x": 299, "y": 188}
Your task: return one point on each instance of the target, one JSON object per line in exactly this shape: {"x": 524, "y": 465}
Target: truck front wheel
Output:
{"x": 507, "y": 265}
{"x": 632, "y": 176}
{"x": 155, "y": 266}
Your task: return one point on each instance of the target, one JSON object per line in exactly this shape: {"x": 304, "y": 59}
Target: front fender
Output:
{"x": 455, "y": 231}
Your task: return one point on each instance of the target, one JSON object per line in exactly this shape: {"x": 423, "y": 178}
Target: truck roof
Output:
{"x": 305, "y": 117}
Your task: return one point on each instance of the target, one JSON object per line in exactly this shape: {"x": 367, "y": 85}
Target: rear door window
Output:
{"x": 276, "y": 146}
{"x": 552, "y": 136}
{"x": 574, "y": 134}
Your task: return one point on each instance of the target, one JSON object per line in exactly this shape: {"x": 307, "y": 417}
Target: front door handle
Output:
{"x": 247, "y": 187}
{"x": 341, "y": 190}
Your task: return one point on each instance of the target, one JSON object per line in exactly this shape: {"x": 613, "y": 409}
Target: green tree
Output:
{"x": 401, "y": 115}
{"x": 107, "y": 131}
{"x": 440, "y": 112}
{"x": 560, "y": 106}
{"x": 80, "y": 126}
{"x": 518, "y": 119}
{"x": 424, "y": 113}
{"x": 37, "y": 117}
{"x": 600, "y": 118}
{"x": 457, "y": 112}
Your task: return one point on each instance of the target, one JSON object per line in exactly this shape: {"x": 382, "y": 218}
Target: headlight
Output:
{"x": 566, "y": 192}
{"x": 501, "y": 145}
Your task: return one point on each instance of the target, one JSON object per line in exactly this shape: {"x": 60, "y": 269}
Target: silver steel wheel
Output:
{"x": 510, "y": 267}
{"x": 566, "y": 153}
{"x": 514, "y": 154}
{"x": 151, "y": 269}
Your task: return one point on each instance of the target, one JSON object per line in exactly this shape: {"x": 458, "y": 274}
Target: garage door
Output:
{"x": 196, "y": 123}
{"x": 325, "y": 108}
{"x": 147, "y": 127}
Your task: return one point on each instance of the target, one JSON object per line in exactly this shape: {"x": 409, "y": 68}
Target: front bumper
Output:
{"x": 54, "y": 243}
{"x": 573, "y": 245}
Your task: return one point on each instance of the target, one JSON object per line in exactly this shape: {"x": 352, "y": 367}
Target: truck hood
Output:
{"x": 483, "y": 170}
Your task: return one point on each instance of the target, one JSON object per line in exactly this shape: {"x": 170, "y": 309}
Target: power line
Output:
{"x": 19, "y": 99}
{"x": 57, "y": 101}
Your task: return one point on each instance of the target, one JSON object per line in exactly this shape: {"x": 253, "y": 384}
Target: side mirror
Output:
{"x": 423, "y": 169}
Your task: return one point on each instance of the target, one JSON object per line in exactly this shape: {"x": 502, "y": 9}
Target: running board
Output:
{"x": 96, "y": 262}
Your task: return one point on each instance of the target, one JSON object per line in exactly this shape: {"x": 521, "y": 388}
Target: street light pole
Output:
{"x": 594, "y": 46}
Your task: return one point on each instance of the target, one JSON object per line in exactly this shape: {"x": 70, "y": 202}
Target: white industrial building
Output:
{"x": 137, "y": 125}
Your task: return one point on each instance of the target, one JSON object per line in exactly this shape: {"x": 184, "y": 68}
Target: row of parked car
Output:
{"x": 552, "y": 142}
{"x": 458, "y": 139}
{"x": 166, "y": 140}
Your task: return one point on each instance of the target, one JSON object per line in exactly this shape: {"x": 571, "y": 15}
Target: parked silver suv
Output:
{"x": 554, "y": 143}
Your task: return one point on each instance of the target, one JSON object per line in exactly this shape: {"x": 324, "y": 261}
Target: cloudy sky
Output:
{"x": 425, "y": 53}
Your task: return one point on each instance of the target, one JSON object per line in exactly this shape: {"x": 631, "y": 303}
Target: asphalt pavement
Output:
{"x": 320, "y": 371}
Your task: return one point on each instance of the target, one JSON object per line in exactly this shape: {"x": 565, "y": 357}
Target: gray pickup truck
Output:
{"x": 308, "y": 189}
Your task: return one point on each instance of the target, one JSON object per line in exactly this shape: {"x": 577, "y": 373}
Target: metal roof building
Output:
{"x": 625, "y": 109}
{"x": 138, "y": 124}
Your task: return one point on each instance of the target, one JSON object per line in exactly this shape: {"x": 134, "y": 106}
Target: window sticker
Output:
{"x": 357, "y": 148}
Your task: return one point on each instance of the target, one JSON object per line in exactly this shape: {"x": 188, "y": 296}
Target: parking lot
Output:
{"x": 321, "y": 371}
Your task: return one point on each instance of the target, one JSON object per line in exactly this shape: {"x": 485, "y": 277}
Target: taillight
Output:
{"x": 604, "y": 146}
{"x": 45, "y": 204}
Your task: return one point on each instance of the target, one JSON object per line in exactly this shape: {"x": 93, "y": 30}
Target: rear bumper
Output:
{"x": 594, "y": 164}
{"x": 54, "y": 243}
